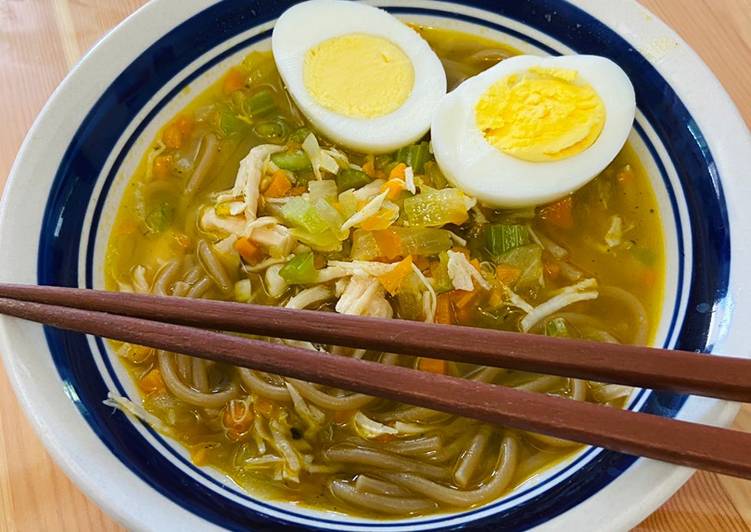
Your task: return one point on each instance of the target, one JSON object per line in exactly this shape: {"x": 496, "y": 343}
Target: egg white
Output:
{"x": 478, "y": 168}
{"x": 307, "y": 24}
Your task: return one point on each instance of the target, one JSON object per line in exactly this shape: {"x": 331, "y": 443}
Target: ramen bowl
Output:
{"x": 61, "y": 199}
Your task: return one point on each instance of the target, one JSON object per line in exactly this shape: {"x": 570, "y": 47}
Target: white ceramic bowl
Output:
{"x": 60, "y": 201}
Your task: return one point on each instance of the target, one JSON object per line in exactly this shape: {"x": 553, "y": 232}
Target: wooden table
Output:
{"x": 40, "y": 40}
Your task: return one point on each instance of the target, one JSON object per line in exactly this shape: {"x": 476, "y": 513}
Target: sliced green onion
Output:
{"x": 500, "y": 238}
{"x": 300, "y": 270}
{"x": 230, "y": 124}
{"x": 260, "y": 104}
{"x": 557, "y": 327}
{"x": 294, "y": 161}
{"x": 299, "y": 135}
{"x": 415, "y": 156}
{"x": 351, "y": 178}
{"x": 274, "y": 130}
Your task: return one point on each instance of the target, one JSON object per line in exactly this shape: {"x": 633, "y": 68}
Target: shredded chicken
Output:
{"x": 581, "y": 291}
{"x": 371, "y": 208}
{"x": 462, "y": 273}
{"x": 364, "y": 296}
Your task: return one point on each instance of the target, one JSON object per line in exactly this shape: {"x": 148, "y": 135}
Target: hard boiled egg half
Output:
{"x": 531, "y": 130}
{"x": 362, "y": 77}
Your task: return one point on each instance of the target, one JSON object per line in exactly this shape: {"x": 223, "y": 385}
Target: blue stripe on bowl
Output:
{"x": 88, "y": 151}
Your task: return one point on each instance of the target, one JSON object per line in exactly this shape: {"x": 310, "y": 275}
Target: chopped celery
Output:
{"x": 332, "y": 217}
{"x": 364, "y": 245}
{"x": 436, "y": 208}
{"x": 439, "y": 273}
{"x": 322, "y": 189}
{"x": 260, "y": 104}
{"x": 325, "y": 241}
{"x": 422, "y": 241}
{"x": 291, "y": 160}
{"x": 415, "y": 156}
{"x": 273, "y": 130}
{"x": 299, "y": 135}
{"x": 528, "y": 260}
{"x": 500, "y": 238}
{"x": 230, "y": 124}
{"x": 409, "y": 298}
{"x": 434, "y": 176}
{"x": 347, "y": 203}
{"x": 557, "y": 327}
{"x": 351, "y": 178}
{"x": 160, "y": 217}
{"x": 300, "y": 270}
{"x": 299, "y": 212}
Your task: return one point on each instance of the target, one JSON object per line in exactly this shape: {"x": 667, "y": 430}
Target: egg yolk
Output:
{"x": 358, "y": 75}
{"x": 542, "y": 114}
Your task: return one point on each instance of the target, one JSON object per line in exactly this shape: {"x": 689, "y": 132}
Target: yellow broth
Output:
{"x": 156, "y": 223}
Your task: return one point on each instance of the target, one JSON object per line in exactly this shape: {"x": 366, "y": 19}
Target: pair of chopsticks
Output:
{"x": 179, "y": 325}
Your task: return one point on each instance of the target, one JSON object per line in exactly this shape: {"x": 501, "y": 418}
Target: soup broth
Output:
{"x": 176, "y": 233}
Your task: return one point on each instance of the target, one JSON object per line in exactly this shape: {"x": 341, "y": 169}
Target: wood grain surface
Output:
{"x": 40, "y": 40}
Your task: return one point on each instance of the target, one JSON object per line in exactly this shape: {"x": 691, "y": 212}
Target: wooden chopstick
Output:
{"x": 721, "y": 377}
{"x": 699, "y": 446}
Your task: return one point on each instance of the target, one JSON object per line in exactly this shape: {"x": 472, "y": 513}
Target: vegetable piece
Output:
{"x": 423, "y": 241}
{"x": 234, "y": 80}
{"x": 365, "y": 246}
{"x": 324, "y": 189}
{"x": 500, "y": 238}
{"x": 433, "y": 365}
{"x": 347, "y": 203}
{"x": 528, "y": 261}
{"x": 173, "y": 136}
{"x": 229, "y": 124}
{"x": 383, "y": 219}
{"x": 275, "y": 130}
{"x": 325, "y": 241}
{"x": 331, "y": 216}
{"x": 243, "y": 291}
{"x": 260, "y": 104}
{"x": 279, "y": 185}
{"x": 443, "y": 309}
{"x": 398, "y": 171}
{"x": 392, "y": 280}
{"x": 299, "y": 135}
{"x": 415, "y": 156}
{"x": 160, "y": 217}
{"x": 389, "y": 244}
{"x": 300, "y": 270}
{"x": 249, "y": 251}
{"x": 163, "y": 166}
{"x": 439, "y": 273}
{"x": 437, "y": 208}
{"x": 409, "y": 298}
{"x": 507, "y": 274}
{"x": 152, "y": 382}
{"x": 298, "y": 212}
{"x": 294, "y": 161}
{"x": 365, "y": 212}
{"x": 559, "y": 214}
{"x": 557, "y": 327}
{"x": 351, "y": 178}
{"x": 434, "y": 176}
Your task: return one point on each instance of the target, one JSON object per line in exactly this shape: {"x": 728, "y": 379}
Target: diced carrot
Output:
{"x": 264, "y": 407}
{"x": 163, "y": 166}
{"x": 443, "y": 309}
{"x": 198, "y": 456}
{"x": 237, "y": 416}
{"x": 552, "y": 268}
{"x": 422, "y": 262}
{"x": 152, "y": 381}
{"x": 392, "y": 280}
{"x": 369, "y": 166}
{"x": 297, "y": 191}
{"x": 279, "y": 186}
{"x": 234, "y": 80}
{"x": 506, "y": 274}
{"x": 394, "y": 187}
{"x": 381, "y": 220}
{"x": 319, "y": 262}
{"x": 649, "y": 278}
{"x": 172, "y": 136}
{"x": 433, "y": 365}
{"x": 463, "y": 307}
{"x": 184, "y": 124}
{"x": 384, "y": 438}
{"x": 389, "y": 243}
{"x": 343, "y": 416}
{"x": 462, "y": 298}
{"x": 560, "y": 213}
{"x": 398, "y": 172}
{"x": 249, "y": 251}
